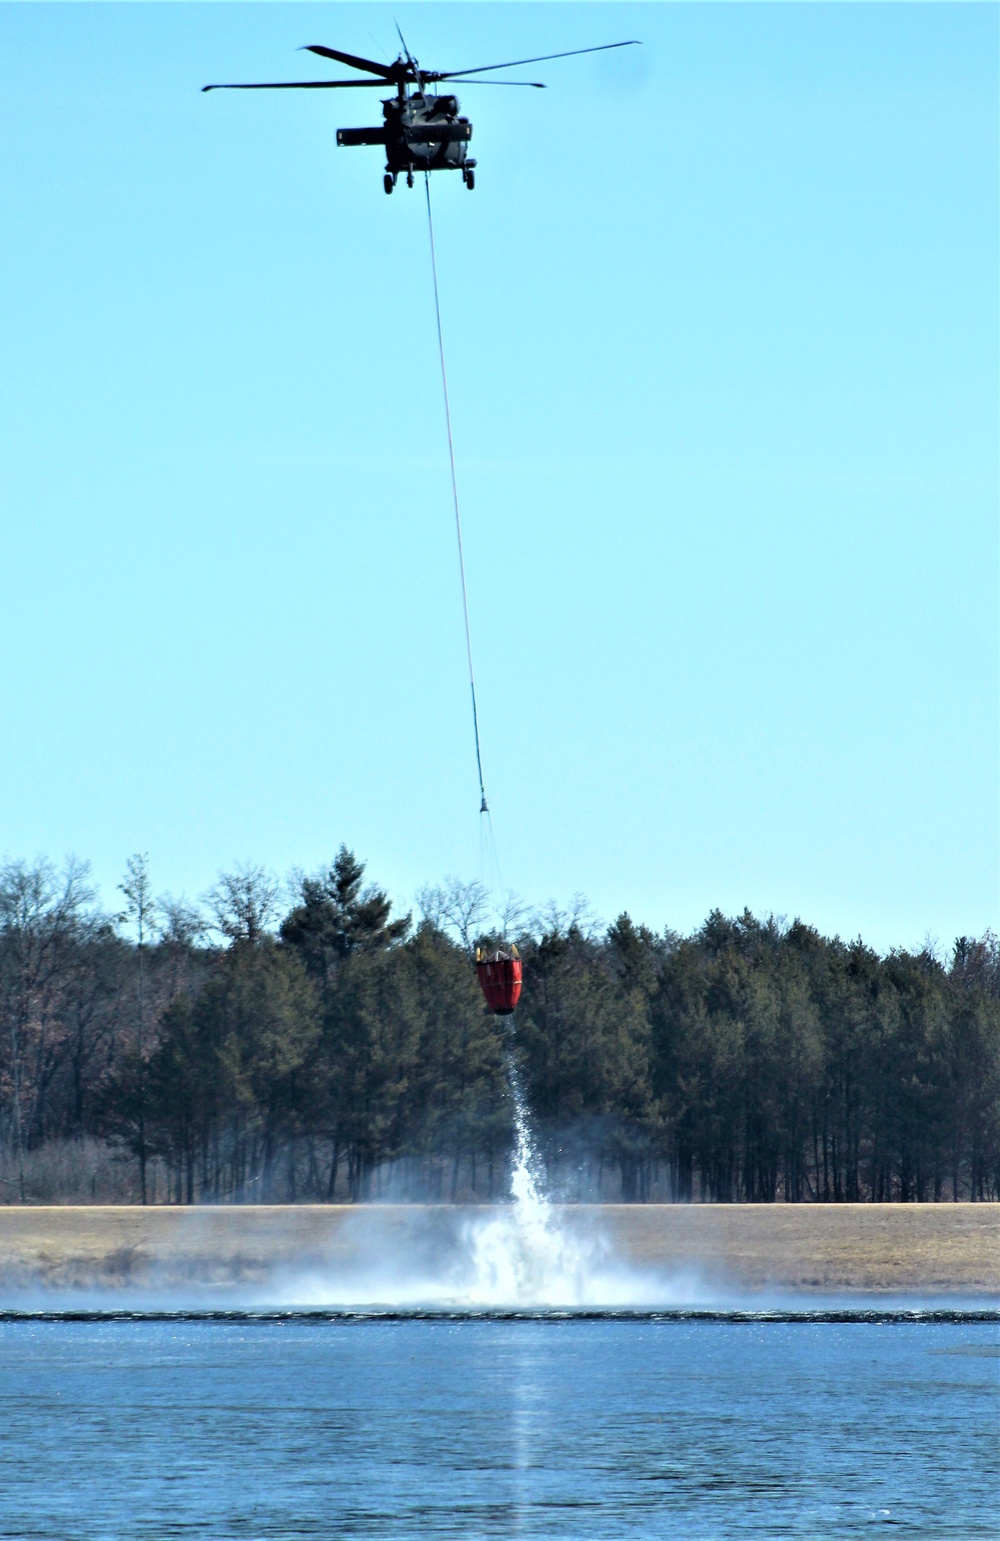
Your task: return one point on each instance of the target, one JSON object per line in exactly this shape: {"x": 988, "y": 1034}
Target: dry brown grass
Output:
{"x": 911, "y": 1248}
{"x": 925, "y": 1248}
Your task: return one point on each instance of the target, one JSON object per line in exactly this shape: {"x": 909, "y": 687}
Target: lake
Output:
{"x": 523, "y": 1425}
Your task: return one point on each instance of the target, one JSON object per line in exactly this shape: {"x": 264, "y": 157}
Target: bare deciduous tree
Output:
{"x": 462, "y": 909}
{"x": 39, "y": 911}
{"x": 244, "y": 903}
{"x": 512, "y": 915}
{"x": 181, "y": 924}
{"x": 578, "y": 916}
{"x": 140, "y": 911}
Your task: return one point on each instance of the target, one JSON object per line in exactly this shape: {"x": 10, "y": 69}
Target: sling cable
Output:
{"x": 500, "y": 971}
{"x": 424, "y": 131}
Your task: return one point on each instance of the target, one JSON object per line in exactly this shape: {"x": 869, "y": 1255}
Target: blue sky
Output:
{"x": 721, "y": 320}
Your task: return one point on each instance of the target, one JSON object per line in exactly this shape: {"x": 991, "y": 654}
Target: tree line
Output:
{"x": 326, "y": 1050}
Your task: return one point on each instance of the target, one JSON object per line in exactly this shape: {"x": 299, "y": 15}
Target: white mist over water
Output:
{"x": 528, "y": 1254}
{"x": 525, "y": 1256}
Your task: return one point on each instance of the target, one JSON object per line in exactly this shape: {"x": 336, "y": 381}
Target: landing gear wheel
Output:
{"x": 409, "y": 179}
{"x": 388, "y": 182}
{"x": 469, "y": 178}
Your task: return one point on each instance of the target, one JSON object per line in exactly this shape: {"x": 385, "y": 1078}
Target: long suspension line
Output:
{"x": 483, "y": 805}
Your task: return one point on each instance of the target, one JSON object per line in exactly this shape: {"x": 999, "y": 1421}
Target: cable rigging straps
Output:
{"x": 483, "y": 805}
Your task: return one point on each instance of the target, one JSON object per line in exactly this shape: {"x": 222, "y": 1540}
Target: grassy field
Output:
{"x": 929, "y": 1249}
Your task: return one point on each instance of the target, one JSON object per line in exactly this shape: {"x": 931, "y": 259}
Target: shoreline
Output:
{"x": 929, "y": 1250}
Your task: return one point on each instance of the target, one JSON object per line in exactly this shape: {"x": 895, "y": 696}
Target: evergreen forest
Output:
{"x": 303, "y": 1043}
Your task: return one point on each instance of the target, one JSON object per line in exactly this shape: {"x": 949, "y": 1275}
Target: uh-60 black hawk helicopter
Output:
{"x": 421, "y": 131}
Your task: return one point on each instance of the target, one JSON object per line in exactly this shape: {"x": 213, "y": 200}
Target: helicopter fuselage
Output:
{"x": 420, "y": 132}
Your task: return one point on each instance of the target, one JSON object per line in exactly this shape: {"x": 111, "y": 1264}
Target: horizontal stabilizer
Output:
{"x": 361, "y": 136}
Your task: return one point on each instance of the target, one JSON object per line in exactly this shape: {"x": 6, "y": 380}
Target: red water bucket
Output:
{"x": 500, "y": 979}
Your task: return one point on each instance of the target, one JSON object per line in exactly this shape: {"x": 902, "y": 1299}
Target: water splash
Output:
{"x": 527, "y": 1254}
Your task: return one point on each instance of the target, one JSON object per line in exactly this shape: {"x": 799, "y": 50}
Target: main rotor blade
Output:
{"x": 538, "y": 59}
{"x": 297, "y": 85}
{"x": 539, "y": 85}
{"x": 354, "y": 60}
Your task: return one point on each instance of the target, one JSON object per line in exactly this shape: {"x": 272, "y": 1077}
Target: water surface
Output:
{"x": 531, "y": 1426}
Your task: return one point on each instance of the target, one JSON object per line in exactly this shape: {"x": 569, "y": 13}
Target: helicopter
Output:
{"x": 420, "y": 131}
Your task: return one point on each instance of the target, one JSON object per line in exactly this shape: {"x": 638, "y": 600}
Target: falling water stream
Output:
{"x": 526, "y": 1254}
